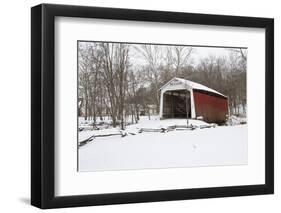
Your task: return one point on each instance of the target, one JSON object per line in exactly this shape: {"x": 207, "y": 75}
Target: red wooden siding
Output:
{"x": 212, "y": 108}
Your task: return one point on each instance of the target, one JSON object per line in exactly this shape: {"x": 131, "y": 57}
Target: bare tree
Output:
{"x": 109, "y": 77}
{"x": 153, "y": 56}
{"x": 84, "y": 69}
{"x": 122, "y": 64}
{"x": 115, "y": 63}
{"x": 180, "y": 58}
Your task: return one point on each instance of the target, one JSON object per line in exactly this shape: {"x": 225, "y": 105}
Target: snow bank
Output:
{"x": 235, "y": 120}
{"x": 153, "y": 124}
{"x": 226, "y": 145}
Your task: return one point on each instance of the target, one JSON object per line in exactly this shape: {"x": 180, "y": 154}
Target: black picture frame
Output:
{"x": 43, "y": 102}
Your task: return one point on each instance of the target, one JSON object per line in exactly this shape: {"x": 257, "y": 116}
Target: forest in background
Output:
{"x": 118, "y": 79}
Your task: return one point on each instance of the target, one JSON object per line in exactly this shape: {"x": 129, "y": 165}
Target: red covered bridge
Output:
{"x": 181, "y": 98}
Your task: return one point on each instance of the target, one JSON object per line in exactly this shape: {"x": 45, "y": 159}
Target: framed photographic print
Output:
{"x": 139, "y": 106}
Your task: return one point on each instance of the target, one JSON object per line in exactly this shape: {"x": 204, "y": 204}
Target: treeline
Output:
{"x": 119, "y": 80}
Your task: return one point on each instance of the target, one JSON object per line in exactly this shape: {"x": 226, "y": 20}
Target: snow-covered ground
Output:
{"x": 222, "y": 145}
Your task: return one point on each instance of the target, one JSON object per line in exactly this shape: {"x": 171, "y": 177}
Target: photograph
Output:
{"x": 157, "y": 106}
{"x": 133, "y": 105}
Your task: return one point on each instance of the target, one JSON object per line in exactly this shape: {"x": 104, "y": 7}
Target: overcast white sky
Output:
{"x": 202, "y": 52}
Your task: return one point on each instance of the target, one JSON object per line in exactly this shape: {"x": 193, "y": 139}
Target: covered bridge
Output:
{"x": 181, "y": 98}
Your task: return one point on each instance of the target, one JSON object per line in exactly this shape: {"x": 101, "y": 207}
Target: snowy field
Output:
{"x": 222, "y": 145}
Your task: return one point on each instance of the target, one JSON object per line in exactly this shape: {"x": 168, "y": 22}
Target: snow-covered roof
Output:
{"x": 192, "y": 85}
